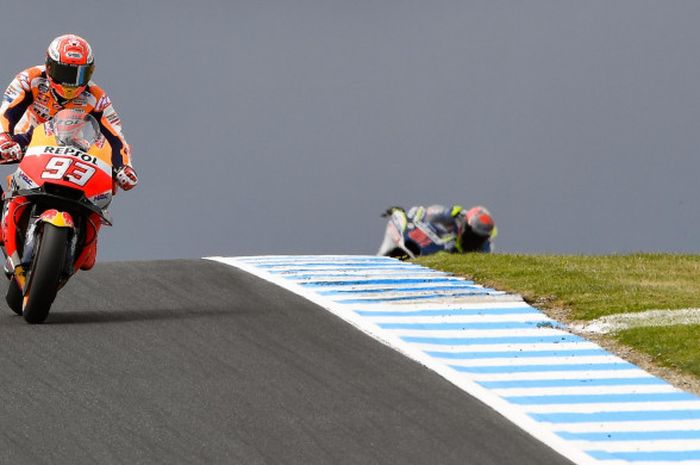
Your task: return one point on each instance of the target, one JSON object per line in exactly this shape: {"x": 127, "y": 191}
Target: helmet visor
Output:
{"x": 70, "y": 75}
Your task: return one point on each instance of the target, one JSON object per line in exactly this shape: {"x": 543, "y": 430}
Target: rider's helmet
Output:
{"x": 474, "y": 227}
{"x": 480, "y": 221}
{"x": 69, "y": 65}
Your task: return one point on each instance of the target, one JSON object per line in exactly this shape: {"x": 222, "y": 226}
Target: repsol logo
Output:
{"x": 71, "y": 152}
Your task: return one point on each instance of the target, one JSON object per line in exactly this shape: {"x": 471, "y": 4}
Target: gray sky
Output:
{"x": 288, "y": 126}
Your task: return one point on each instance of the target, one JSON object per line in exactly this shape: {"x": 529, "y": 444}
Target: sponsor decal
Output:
{"x": 44, "y": 98}
{"x": 114, "y": 120}
{"x": 24, "y": 177}
{"x": 11, "y": 92}
{"x": 41, "y": 111}
{"x": 43, "y": 87}
{"x": 420, "y": 237}
{"x": 103, "y": 196}
{"x": 71, "y": 152}
{"x": 56, "y": 218}
{"x": 103, "y": 103}
{"x": 23, "y": 79}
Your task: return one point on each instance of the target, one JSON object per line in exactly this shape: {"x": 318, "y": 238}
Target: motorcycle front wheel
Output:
{"x": 45, "y": 274}
{"x": 14, "y": 296}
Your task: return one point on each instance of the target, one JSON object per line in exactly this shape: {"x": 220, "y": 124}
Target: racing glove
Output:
{"x": 126, "y": 177}
{"x": 9, "y": 149}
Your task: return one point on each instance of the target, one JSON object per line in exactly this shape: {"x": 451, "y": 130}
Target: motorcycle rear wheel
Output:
{"x": 45, "y": 273}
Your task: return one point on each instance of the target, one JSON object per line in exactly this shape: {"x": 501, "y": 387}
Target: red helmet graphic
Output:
{"x": 69, "y": 65}
{"x": 480, "y": 221}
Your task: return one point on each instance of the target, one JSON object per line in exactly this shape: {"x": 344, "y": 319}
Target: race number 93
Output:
{"x": 68, "y": 169}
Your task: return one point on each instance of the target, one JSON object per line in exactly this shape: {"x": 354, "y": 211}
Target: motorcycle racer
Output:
{"x": 459, "y": 230}
{"x": 36, "y": 94}
{"x": 64, "y": 82}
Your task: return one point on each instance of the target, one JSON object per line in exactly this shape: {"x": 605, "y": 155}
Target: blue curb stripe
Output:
{"x": 326, "y": 258}
{"x": 468, "y": 326}
{"x": 340, "y": 266}
{"x": 597, "y": 417}
{"x": 452, "y": 312}
{"x": 518, "y": 354}
{"x": 396, "y": 290}
{"x": 632, "y": 436}
{"x": 465, "y": 341}
{"x": 339, "y": 278}
{"x": 601, "y": 398}
{"x": 545, "y": 368}
{"x": 358, "y": 268}
{"x": 361, "y": 282}
{"x": 417, "y": 297}
{"x": 543, "y": 383}
{"x": 665, "y": 455}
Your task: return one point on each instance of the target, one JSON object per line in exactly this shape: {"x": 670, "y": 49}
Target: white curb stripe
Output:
{"x": 624, "y": 389}
{"x": 615, "y": 407}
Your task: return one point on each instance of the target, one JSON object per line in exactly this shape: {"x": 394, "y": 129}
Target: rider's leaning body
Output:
{"x": 29, "y": 101}
{"x": 455, "y": 229}
{"x": 38, "y": 93}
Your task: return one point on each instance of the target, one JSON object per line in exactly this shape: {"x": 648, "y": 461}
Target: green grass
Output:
{"x": 587, "y": 287}
{"x": 670, "y": 346}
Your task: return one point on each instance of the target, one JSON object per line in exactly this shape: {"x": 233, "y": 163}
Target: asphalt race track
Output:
{"x": 191, "y": 361}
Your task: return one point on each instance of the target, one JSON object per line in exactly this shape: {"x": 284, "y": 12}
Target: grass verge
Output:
{"x": 588, "y": 287}
{"x": 674, "y": 347}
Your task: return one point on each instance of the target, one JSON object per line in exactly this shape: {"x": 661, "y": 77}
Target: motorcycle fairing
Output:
{"x": 45, "y": 161}
{"x": 411, "y": 238}
{"x": 46, "y": 168}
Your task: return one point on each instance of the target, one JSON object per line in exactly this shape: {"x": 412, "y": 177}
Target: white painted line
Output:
{"x": 532, "y": 317}
{"x": 652, "y": 462}
{"x": 641, "y": 446}
{"x": 301, "y": 258}
{"x": 563, "y": 346}
{"x": 583, "y": 374}
{"x": 629, "y": 426}
{"x": 473, "y": 305}
{"x": 544, "y": 361}
{"x": 407, "y": 294}
{"x": 456, "y": 301}
{"x": 583, "y": 389}
{"x": 477, "y": 333}
{"x": 375, "y": 273}
{"x": 613, "y": 407}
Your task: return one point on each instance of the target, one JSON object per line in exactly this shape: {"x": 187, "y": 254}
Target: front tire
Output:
{"x": 45, "y": 274}
{"x": 14, "y": 296}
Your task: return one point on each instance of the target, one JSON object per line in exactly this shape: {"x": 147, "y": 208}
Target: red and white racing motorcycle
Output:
{"x": 57, "y": 202}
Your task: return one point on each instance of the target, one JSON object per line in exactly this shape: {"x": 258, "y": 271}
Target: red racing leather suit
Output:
{"x": 29, "y": 102}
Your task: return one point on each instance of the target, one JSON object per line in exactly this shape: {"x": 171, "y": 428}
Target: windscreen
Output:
{"x": 75, "y": 129}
